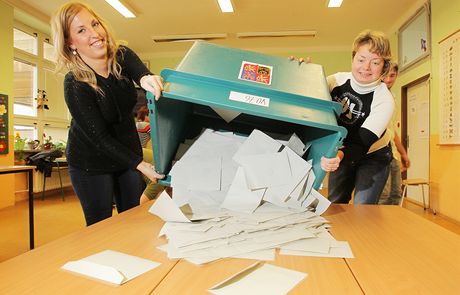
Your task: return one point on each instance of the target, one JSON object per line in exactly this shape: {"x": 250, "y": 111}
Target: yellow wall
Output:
{"x": 332, "y": 61}
{"x": 6, "y": 87}
{"x": 444, "y": 160}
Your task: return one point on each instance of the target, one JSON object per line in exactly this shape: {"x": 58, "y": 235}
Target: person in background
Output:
{"x": 103, "y": 150}
{"x": 143, "y": 126}
{"x": 362, "y": 164}
{"x": 392, "y": 193}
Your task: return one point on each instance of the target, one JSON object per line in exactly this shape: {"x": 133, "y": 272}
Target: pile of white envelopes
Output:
{"x": 244, "y": 197}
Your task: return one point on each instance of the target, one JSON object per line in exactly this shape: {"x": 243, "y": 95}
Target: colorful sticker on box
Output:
{"x": 256, "y": 73}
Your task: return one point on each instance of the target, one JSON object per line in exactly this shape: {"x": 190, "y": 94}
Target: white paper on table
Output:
{"x": 256, "y": 144}
{"x": 239, "y": 197}
{"x": 318, "y": 245}
{"x": 265, "y": 170}
{"x": 227, "y": 115}
{"x": 338, "y": 249}
{"x": 165, "y": 208}
{"x": 111, "y": 266}
{"x": 267, "y": 254}
{"x": 264, "y": 279}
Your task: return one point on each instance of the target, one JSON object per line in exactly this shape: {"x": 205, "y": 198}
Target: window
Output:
{"x": 27, "y": 132}
{"x": 48, "y": 51}
{"x": 34, "y": 64}
{"x": 25, "y": 41}
{"x": 25, "y": 88}
{"x": 57, "y": 134}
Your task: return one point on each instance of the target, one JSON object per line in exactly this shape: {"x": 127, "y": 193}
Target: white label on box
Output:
{"x": 249, "y": 98}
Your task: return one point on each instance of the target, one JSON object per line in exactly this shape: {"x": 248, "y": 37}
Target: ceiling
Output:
{"x": 335, "y": 27}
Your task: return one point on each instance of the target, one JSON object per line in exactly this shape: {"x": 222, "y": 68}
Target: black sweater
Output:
{"x": 102, "y": 135}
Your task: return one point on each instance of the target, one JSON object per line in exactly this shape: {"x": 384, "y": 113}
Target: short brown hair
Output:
{"x": 394, "y": 66}
{"x": 378, "y": 44}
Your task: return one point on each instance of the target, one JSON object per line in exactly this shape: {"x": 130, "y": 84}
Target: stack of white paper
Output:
{"x": 238, "y": 197}
{"x": 228, "y": 233}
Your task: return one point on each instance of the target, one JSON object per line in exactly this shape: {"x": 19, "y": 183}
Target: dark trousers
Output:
{"x": 97, "y": 192}
{"x": 367, "y": 178}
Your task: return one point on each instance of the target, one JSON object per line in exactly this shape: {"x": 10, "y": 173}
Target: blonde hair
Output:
{"x": 60, "y": 25}
{"x": 378, "y": 44}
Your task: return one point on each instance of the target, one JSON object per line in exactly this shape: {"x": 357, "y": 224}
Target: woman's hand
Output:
{"x": 153, "y": 83}
{"x": 331, "y": 164}
{"x": 306, "y": 60}
{"x": 149, "y": 171}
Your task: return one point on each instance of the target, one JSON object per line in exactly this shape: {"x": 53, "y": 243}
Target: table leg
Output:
{"x": 31, "y": 209}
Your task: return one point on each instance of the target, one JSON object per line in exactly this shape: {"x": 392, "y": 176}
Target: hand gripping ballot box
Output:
{"x": 273, "y": 94}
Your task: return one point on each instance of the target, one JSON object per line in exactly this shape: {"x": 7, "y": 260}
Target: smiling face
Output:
{"x": 88, "y": 37}
{"x": 366, "y": 67}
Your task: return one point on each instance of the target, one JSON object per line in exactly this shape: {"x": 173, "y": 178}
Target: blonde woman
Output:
{"x": 362, "y": 164}
{"x": 103, "y": 150}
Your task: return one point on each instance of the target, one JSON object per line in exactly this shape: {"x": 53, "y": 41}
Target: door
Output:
{"x": 418, "y": 136}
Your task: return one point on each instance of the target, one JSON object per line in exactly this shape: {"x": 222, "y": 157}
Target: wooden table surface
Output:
{"x": 396, "y": 252}
{"x": 187, "y": 278}
{"x": 132, "y": 232}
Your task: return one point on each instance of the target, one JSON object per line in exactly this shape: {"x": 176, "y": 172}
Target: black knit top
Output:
{"x": 102, "y": 136}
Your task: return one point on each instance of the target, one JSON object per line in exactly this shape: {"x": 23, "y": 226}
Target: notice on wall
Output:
{"x": 449, "y": 88}
{"x": 3, "y": 124}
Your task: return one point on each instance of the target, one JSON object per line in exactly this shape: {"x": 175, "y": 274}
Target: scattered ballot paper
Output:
{"x": 111, "y": 266}
{"x": 166, "y": 209}
{"x": 260, "y": 278}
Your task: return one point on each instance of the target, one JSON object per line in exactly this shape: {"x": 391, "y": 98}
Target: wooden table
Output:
{"x": 132, "y": 232}
{"x": 29, "y": 170}
{"x": 396, "y": 252}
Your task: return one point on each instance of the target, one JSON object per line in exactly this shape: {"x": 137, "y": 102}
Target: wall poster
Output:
{"x": 449, "y": 89}
{"x": 3, "y": 124}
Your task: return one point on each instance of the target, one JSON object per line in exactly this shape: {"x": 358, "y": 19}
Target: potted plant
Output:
{"x": 47, "y": 142}
{"x": 19, "y": 143}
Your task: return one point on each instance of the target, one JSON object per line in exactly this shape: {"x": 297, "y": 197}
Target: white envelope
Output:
{"x": 111, "y": 266}
{"x": 261, "y": 279}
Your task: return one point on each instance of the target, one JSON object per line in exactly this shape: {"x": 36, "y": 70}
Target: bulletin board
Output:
{"x": 3, "y": 124}
{"x": 415, "y": 38}
{"x": 449, "y": 89}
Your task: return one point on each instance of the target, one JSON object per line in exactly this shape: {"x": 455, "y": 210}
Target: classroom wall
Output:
{"x": 444, "y": 160}
{"x": 6, "y": 87}
{"x": 332, "y": 61}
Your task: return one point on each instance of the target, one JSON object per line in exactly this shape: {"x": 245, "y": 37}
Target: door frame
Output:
{"x": 404, "y": 89}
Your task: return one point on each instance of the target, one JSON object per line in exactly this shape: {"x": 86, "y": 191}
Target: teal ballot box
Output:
{"x": 273, "y": 94}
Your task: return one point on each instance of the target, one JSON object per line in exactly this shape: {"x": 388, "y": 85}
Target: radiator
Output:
{"x": 53, "y": 181}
